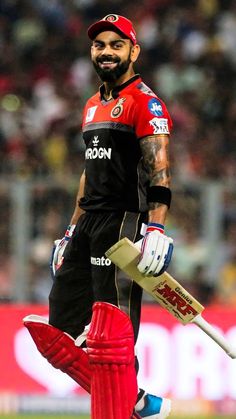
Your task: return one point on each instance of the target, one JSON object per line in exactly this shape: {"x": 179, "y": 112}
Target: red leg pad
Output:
{"x": 60, "y": 350}
{"x": 110, "y": 343}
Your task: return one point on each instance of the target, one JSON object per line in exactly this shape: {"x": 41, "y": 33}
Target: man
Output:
{"x": 125, "y": 184}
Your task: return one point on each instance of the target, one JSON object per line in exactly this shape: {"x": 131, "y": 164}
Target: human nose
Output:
{"x": 107, "y": 50}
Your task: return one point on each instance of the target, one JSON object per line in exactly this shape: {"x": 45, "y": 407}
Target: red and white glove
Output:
{"x": 156, "y": 251}
{"x": 59, "y": 248}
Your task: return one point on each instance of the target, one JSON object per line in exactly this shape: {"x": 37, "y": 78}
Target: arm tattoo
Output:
{"x": 155, "y": 151}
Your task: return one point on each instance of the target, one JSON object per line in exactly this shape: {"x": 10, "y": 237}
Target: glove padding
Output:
{"x": 59, "y": 248}
{"x": 156, "y": 251}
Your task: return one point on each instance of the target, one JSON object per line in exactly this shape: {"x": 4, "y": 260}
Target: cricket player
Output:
{"x": 94, "y": 308}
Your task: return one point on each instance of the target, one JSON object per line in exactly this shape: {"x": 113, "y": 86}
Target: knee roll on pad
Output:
{"x": 110, "y": 343}
{"x": 60, "y": 350}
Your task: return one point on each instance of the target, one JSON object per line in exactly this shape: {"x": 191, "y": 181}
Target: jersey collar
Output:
{"x": 116, "y": 91}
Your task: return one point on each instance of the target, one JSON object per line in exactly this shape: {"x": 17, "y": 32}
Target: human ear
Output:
{"x": 135, "y": 51}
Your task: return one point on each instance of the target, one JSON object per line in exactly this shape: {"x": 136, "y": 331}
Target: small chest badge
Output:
{"x": 118, "y": 108}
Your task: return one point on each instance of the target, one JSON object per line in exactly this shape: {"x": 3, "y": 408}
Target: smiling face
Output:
{"x": 113, "y": 57}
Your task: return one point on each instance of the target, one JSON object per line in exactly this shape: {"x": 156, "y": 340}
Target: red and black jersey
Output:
{"x": 115, "y": 176}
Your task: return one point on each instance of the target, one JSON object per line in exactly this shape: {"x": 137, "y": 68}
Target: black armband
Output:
{"x": 159, "y": 194}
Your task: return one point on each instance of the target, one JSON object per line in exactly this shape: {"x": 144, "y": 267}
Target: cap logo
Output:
{"x": 111, "y": 18}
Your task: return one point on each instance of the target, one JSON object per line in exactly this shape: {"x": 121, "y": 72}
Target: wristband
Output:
{"x": 69, "y": 232}
{"x": 155, "y": 227}
{"x": 159, "y": 194}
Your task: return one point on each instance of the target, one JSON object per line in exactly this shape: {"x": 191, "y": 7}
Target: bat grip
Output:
{"x": 215, "y": 335}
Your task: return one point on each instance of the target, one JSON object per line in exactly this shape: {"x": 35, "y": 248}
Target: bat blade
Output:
{"x": 167, "y": 291}
{"x": 164, "y": 288}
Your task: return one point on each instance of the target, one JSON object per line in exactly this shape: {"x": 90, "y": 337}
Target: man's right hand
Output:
{"x": 156, "y": 251}
{"x": 59, "y": 248}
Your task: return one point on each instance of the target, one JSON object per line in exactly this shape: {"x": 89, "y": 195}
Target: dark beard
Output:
{"x": 111, "y": 75}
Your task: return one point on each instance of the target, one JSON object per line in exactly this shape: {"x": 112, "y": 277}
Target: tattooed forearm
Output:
{"x": 155, "y": 150}
{"x": 154, "y": 205}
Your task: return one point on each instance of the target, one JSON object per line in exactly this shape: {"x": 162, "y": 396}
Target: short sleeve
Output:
{"x": 151, "y": 116}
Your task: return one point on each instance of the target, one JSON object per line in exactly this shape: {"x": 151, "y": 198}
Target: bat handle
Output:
{"x": 215, "y": 335}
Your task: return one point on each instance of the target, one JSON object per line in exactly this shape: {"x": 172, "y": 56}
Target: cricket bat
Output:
{"x": 166, "y": 290}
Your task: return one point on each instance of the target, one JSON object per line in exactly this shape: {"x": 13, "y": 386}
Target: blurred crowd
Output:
{"x": 188, "y": 57}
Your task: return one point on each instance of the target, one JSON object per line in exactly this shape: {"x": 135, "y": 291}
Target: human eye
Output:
{"x": 118, "y": 45}
{"x": 98, "y": 45}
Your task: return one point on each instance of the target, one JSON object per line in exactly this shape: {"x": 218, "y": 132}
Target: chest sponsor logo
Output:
{"x": 100, "y": 261}
{"x": 90, "y": 114}
{"x": 155, "y": 107}
{"x": 97, "y": 152}
{"x": 118, "y": 108}
{"x": 160, "y": 125}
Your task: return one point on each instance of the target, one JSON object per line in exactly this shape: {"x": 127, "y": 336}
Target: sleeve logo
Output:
{"x": 155, "y": 107}
{"x": 90, "y": 114}
{"x": 160, "y": 125}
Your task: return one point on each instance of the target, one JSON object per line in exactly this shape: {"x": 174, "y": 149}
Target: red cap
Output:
{"x": 113, "y": 22}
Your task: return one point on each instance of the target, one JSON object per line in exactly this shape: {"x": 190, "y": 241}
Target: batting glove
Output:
{"x": 59, "y": 248}
{"x": 156, "y": 251}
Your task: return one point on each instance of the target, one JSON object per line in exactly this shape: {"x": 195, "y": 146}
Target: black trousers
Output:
{"x": 86, "y": 275}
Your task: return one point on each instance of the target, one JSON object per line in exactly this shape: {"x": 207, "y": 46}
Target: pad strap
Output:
{"x": 110, "y": 343}
{"x": 60, "y": 350}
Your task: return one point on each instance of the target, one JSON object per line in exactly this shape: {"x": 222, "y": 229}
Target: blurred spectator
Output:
{"x": 178, "y": 76}
{"x": 55, "y": 148}
{"x": 40, "y": 250}
{"x": 226, "y": 30}
{"x": 227, "y": 281}
{"x": 6, "y": 273}
{"x": 200, "y": 287}
{"x": 190, "y": 252}
{"x": 226, "y": 286}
